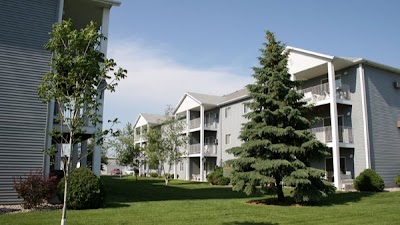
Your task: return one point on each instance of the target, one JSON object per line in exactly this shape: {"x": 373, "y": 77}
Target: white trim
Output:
{"x": 365, "y": 117}
{"x": 233, "y": 100}
{"x": 315, "y": 54}
{"x": 201, "y": 142}
{"x": 104, "y": 30}
{"x": 109, "y": 2}
{"x": 334, "y": 124}
{"x": 60, "y": 11}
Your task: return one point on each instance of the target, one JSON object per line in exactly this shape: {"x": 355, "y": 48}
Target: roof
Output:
{"x": 348, "y": 60}
{"x": 205, "y": 99}
{"x": 234, "y": 96}
{"x": 152, "y": 119}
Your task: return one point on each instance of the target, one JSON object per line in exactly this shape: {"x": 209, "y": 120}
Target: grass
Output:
{"x": 149, "y": 201}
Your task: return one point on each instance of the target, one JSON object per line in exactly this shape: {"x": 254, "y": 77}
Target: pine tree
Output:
{"x": 278, "y": 147}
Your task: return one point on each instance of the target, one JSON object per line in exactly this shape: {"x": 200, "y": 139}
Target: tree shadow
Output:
{"x": 121, "y": 192}
{"x": 344, "y": 198}
{"x": 249, "y": 223}
{"x": 339, "y": 198}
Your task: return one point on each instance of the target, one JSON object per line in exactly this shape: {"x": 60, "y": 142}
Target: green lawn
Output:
{"x": 149, "y": 201}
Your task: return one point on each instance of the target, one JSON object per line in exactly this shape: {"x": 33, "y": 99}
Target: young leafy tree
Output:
{"x": 124, "y": 145}
{"x": 154, "y": 150}
{"x": 278, "y": 147}
{"x": 172, "y": 138}
{"x": 78, "y": 78}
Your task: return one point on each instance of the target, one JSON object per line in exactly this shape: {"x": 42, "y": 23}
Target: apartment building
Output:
{"x": 357, "y": 100}
{"x": 142, "y": 124}
{"x": 24, "y": 119}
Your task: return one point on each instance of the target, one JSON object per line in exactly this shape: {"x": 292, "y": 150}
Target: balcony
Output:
{"x": 209, "y": 149}
{"x": 194, "y": 123}
{"x": 324, "y": 134}
{"x": 194, "y": 149}
{"x": 320, "y": 94}
{"x": 137, "y": 137}
{"x": 211, "y": 125}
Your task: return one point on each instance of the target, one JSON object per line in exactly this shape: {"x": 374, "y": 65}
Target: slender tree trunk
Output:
{"x": 281, "y": 196}
{"x": 66, "y": 181}
{"x": 175, "y": 161}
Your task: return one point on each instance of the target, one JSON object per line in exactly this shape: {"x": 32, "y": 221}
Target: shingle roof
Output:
{"x": 237, "y": 95}
{"x": 206, "y": 99}
{"x": 153, "y": 118}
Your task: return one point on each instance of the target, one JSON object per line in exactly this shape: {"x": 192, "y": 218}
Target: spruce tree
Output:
{"x": 278, "y": 147}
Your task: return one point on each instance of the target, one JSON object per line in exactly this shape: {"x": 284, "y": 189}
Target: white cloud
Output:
{"x": 155, "y": 79}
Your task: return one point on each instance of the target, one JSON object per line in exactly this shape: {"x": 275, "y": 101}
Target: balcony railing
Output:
{"x": 324, "y": 134}
{"x": 194, "y": 123}
{"x": 322, "y": 92}
{"x": 211, "y": 125}
{"x": 209, "y": 149}
{"x": 194, "y": 149}
{"x": 137, "y": 137}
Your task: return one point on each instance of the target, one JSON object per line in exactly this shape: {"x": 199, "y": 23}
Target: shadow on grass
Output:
{"x": 122, "y": 191}
{"x": 249, "y": 223}
{"x": 339, "y": 198}
{"x": 343, "y": 198}
{"x": 125, "y": 190}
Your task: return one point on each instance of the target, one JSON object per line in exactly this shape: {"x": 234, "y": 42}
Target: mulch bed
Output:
{"x": 19, "y": 209}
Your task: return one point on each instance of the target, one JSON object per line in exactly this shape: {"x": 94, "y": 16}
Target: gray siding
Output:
{"x": 384, "y": 111}
{"x": 23, "y": 61}
{"x": 357, "y": 120}
{"x": 230, "y": 125}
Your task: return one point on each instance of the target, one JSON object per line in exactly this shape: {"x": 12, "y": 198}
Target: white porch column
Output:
{"x": 57, "y": 157}
{"x": 104, "y": 30}
{"x": 74, "y": 156}
{"x": 84, "y": 153}
{"x": 201, "y": 142}
{"x": 365, "y": 117}
{"x": 188, "y": 145}
{"x": 334, "y": 126}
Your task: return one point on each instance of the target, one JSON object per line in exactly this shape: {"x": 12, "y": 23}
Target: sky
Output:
{"x": 210, "y": 46}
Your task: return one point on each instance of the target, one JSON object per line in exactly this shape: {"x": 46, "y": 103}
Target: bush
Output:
{"x": 369, "y": 180}
{"x": 397, "y": 180}
{"x": 153, "y": 174}
{"x": 85, "y": 190}
{"x": 34, "y": 189}
{"x": 217, "y": 177}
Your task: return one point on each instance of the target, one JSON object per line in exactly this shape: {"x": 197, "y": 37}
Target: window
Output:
{"x": 181, "y": 166}
{"x": 246, "y": 108}
{"x": 228, "y": 139}
{"x": 227, "y": 112}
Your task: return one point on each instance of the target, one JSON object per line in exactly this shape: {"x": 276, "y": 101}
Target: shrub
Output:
{"x": 85, "y": 190}
{"x": 34, "y": 189}
{"x": 397, "y": 180}
{"x": 217, "y": 178}
{"x": 369, "y": 180}
{"x": 153, "y": 174}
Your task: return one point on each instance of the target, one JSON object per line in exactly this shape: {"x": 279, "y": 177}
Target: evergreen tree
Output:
{"x": 278, "y": 147}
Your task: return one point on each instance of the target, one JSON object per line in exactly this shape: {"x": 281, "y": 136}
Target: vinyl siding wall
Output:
{"x": 230, "y": 125}
{"x": 23, "y": 61}
{"x": 383, "y": 102}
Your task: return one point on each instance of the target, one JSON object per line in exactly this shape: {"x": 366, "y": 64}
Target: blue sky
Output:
{"x": 209, "y": 46}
